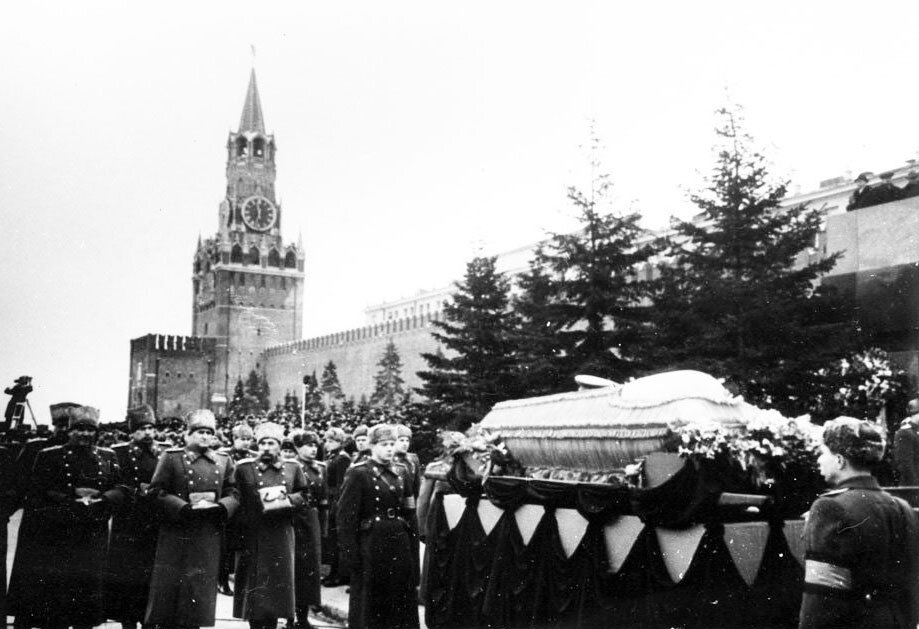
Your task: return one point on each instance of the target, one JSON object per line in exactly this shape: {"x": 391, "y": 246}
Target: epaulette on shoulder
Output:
{"x": 221, "y": 453}
{"x": 175, "y": 450}
{"x": 52, "y": 448}
{"x": 36, "y": 440}
{"x": 120, "y": 446}
{"x": 320, "y": 463}
{"x": 244, "y": 461}
{"x": 106, "y": 450}
{"x": 835, "y": 492}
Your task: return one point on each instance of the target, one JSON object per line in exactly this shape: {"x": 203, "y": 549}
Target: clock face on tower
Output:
{"x": 259, "y": 213}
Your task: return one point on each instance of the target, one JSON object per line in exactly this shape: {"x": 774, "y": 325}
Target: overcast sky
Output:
{"x": 411, "y": 136}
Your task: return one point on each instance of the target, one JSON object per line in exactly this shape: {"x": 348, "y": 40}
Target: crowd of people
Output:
{"x": 884, "y": 191}
{"x": 151, "y": 529}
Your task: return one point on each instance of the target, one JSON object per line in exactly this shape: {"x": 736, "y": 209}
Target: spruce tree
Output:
{"x": 740, "y": 297}
{"x": 586, "y": 297}
{"x": 238, "y": 408}
{"x": 477, "y": 332}
{"x": 330, "y": 384}
{"x": 389, "y": 387}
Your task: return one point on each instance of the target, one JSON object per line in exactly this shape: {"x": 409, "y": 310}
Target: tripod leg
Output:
{"x": 34, "y": 423}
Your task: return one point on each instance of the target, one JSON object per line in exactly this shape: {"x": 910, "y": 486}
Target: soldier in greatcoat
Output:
{"x": 271, "y": 491}
{"x": 194, "y": 487}
{"x": 310, "y": 525}
{"x": 74, "y": 487}
{"x": 861, "y": 544}
{"x": 337, "y": 463}
{"x": 28, "y": 543}
{"x": 361, "y": 444}
{"x": 135, "y": 523}
{"x": 376, "y": 540}
{"x": 410, "y": 468}
{"x": 233, "y": 541}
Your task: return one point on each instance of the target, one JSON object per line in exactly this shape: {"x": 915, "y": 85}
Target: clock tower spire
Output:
{"x": 247, "y": 283}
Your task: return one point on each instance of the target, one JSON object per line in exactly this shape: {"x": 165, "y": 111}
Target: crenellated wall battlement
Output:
{"x": 357, "y": 335}
{"x": 173, "y": 343}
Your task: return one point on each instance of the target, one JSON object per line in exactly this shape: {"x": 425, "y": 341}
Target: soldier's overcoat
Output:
{"x": 376, "y": 543}
{"x": 135, "y": 528}
{"x": 183, "y": 588}
{"x": 308, "y": 528}
{"x": 265, "y": 572}
{"x": 861, "y": 562}
{"x": 60, "y": 582}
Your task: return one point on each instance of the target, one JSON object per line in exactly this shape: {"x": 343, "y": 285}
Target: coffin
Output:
{"x": 605, "y": 429}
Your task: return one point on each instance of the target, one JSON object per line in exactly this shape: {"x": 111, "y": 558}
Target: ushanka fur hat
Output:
{"x": 269, "y": 430}
{"x": 140, "y": 416}
{"x": 60, "y": 413}
{"x": 84, "y": 417}
{"x": 381, "y": 432}
{"x": 201, "y": 418}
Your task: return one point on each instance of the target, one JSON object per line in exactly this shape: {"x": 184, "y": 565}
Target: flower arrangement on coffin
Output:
{"x": 771, "y": 455}
{"x": 483, "y": 453}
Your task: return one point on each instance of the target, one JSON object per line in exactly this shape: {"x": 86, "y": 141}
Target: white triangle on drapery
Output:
{"x": 746, "y": 541}
{"x": 489, "y": 515}
{"x": 528, "y": 517}
{"x": 454, "y": 505}
{"x": 571, "y": 529}
{"x": 794, "y": 537}
{"x": 678, "y": 548}
{"x": 620, "y": 537}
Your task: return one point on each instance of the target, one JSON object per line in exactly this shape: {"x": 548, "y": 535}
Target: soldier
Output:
{"x": 337, "y": 463}
{"x": 271, "y": 490}
{"x": 288, "y": 450}
{"x": 74, "y": 487}
{"x": 375, "y": 539}
{"x": 310, "y": 525}
{"x": 906, "y": 447}
{"x": 361, "y": 444}
{"x": 28, "y": 543}
{"x": 861, "y": 544}
{"x": 135, "y": 523}
{"x": 410, "y": 468}
{"x": 194, "y": 487}
{"x": 232, "y": 541}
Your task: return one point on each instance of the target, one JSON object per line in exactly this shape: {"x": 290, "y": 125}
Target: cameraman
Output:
{"x": 19, "y": 391}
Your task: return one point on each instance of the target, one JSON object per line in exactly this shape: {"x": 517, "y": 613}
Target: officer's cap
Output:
{"x": 859, "y": 441}
{"x": 865, "y": 176}
{"x": 140, "y": 416}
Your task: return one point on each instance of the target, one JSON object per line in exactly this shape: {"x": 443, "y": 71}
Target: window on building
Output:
{"x": 290, "y": 260}
{"x": 205, "y": 329}
{"x": 274, "y": 258}
{"x": 254, "y": 257}
{"x": 236, "y": 255}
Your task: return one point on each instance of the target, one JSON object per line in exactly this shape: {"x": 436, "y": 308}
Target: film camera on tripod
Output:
{"x": 16, "y": 407}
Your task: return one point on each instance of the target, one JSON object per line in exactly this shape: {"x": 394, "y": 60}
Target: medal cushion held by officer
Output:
{"x": 74, "y": 489}
{"x": 375, "y": 541}
{"x": 243, "y": 437}
{"x": 135, "y": 523}
{"x": 271, "y": 490}
{"x": 337, "y": 463}
{"x": 861, "y": 543}
{"x": 310, "y": 524}
{"x": 194, "y": 487}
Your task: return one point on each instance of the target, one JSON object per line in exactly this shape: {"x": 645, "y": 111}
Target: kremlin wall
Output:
{"x": 248, "y": 306}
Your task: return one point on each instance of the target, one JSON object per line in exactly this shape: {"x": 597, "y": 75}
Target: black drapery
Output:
{"x": 495, "y": 580}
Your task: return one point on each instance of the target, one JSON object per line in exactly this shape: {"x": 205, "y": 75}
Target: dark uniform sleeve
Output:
{"x": 829, "y": 544}
{"x": 905, "y": 456}
{"x": 347, "y": 518}
{"x": 301, "y": 489}
{"x": 163, "y": 484}
{"x": 229, "y": 496}
{"x": 322, "y": 499}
